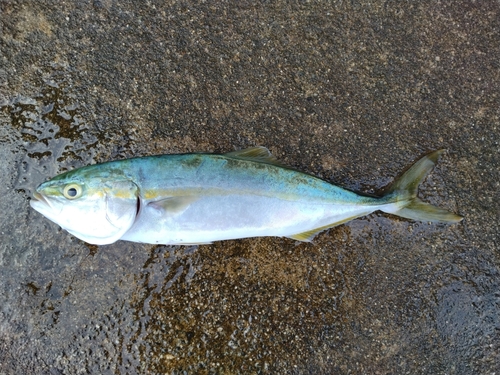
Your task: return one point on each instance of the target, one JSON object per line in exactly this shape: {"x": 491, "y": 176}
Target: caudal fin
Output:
{"x": 403, "y": 192}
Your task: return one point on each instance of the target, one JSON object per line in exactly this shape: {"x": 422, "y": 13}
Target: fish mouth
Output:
{"x": 40, "y": 203}
{"x": 39, "y": 197}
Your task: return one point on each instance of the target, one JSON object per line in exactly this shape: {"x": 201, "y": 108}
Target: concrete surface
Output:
{"x": 350, "y": 91}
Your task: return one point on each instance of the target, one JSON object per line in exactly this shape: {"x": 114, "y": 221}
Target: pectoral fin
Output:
{"x": 173, "y": 205}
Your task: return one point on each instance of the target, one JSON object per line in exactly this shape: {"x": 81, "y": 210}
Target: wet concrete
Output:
{"x": 349, "y": 91}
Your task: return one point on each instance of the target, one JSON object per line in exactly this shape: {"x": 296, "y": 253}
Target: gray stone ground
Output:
{"x": 350, "y": 91}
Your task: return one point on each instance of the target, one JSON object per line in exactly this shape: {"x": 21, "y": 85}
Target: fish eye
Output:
{"x": 72, "y": 191}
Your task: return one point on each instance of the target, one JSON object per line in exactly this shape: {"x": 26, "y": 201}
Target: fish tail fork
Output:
{"x": 403, "y": 194}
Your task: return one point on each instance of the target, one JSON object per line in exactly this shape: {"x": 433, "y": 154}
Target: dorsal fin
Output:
{"x": 259, "y": 154}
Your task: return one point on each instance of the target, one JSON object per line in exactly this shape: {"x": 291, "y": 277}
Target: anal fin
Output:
{"x": 258, "y": 154}
{"x": 308, "y": 236}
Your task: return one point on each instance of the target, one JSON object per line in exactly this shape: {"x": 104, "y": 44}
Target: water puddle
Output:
{"x": 110, "y": 332}
{"x": 54, "y": 136}
{"x": 245, "y": 303}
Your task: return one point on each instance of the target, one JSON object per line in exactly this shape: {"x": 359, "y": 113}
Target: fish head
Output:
{"x": 96, "y": 205}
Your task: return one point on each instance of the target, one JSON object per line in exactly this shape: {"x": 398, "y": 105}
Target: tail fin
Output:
{"x": 405, "y": 189}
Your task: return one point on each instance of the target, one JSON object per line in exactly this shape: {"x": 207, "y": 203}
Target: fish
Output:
{"x": 199, "y": 198}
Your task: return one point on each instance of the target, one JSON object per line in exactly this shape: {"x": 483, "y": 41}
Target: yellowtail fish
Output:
{"x": 200, "y": 198}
